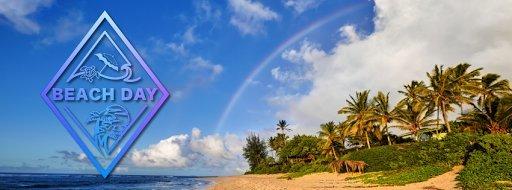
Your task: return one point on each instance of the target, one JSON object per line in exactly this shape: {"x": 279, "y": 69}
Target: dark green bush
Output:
{"x": 381, "y": 158}
{"x": 449, "y": 151}
{"x": 489, "y": 165}
{"x": 300, "y": 146}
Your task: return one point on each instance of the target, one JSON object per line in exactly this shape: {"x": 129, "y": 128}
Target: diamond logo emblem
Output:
{"x": 105, "y": 95}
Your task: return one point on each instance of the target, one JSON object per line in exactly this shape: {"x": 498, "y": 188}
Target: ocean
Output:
{"x": 90, "y": 181}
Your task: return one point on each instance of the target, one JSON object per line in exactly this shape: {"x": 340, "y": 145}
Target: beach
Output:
{"x": 325, "y": 181}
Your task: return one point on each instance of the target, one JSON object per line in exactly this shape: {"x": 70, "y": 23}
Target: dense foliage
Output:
{"x": 449, "y": 151}
{"x": 300, "y": 146}
{"x": 255, "y": 151}
{"x": 489, "y": 165}
{"x": 424, "y": 141}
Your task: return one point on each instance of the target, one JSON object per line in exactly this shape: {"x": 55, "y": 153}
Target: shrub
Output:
{"x": 450, "y": 151}
{"x": 300, "y": 146}
{"x": 489, "y": 164}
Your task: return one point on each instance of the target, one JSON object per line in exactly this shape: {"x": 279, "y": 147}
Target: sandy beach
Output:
{"x": 325, "y": 181}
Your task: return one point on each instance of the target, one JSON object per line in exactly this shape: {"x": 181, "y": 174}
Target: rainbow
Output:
{"x": 280, "y": 48}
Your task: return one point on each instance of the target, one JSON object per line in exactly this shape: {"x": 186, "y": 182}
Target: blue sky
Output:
{"x": 202, "y": 51}
{"x": 233, "y": 67}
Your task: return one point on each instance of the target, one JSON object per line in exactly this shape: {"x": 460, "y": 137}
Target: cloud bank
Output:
{"x": 18, "y": 12}
{"x": 194, "y": 150}
{"x": 410, "y": 37}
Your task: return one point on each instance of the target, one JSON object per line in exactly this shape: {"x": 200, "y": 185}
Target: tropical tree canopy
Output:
{"x": 331, "y": 137}
{"x": 382, "y": 112}
{"x": 282, "y": 126}
{"x": 255, "y": 151}
{"x": 493, "y": 114}
{"x": 359, "y": 114}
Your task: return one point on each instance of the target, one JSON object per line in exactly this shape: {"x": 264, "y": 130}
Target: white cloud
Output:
{"x": 349, "y": 33}
{"x": 297, "y": 56}
{"x": 198, "y": 63}
{"x": 295, "y": 76}
{"x": 300, "y": 6}
{"x": 206, "y": 12}
{"x": 283, "y": 99}
{"x": 249, "y": 16}
{"x": 18, "y": 12}
{"x": 410, "y": 38}
{"x": 287, "y": 76}
{"x": 166, "y": 153}
{"x": 189, "y": 37}
{"x": 67, "y": 27}
{"x": 184, "y": 151}
{"x": 177, "y": 49}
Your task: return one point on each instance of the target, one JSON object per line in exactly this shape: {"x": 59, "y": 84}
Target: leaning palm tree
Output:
{"x": 493, "y": 114}
{"x": 343, "y": 133}
{"x": 413, "y": 117}
{"x": 491, "y": 87}
{"x": 415, "y": 91}
{"x": 442, "y": 92}
{"x": 466, "y": 82}
{"x": 329, "y": 132}
{"x": 382, "y": 112}
{"x": 282, "y": 126}
{"x": 358, "y": 113}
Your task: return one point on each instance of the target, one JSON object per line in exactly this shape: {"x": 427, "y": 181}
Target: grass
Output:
{"x": 403, "y": 176}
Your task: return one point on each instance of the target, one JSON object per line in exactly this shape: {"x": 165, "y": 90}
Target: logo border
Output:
{"x": 165, "y": 95}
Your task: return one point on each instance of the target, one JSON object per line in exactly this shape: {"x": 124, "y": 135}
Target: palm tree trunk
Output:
{"x": 334, "y": 152}
{"x": 367, "y": 140}
{"x": 387, "y": 134}
{"x": 445, "y": 118}
{"x": 437, "y": 121}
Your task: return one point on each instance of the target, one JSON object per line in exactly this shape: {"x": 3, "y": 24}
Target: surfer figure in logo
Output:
{"x": 109, "y": 126}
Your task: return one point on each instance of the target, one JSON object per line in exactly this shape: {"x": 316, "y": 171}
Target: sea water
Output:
{"x": 90, "y": 181}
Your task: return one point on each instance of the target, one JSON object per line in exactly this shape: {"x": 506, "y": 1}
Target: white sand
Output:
{"x": 325, "y": 181}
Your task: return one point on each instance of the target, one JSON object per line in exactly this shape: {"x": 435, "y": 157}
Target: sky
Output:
{"x": 233, "y": 68}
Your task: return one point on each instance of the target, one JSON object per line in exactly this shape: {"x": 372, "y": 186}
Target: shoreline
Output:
{"x": 324, "y": 181}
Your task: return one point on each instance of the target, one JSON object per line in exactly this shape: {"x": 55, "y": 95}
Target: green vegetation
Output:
{"x": 255, "y": 151}
{"x": 424, "y": 141}
{"x": 449, "y": 151}
{"x": 490, "y": 165}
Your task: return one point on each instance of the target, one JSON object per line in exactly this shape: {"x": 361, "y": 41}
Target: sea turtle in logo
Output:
{"x": 109, "y": 125}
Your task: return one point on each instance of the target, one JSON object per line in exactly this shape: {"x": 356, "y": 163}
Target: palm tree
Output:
{"x": 467, "y": 83}
{"x": 382, "y": 112}
{"x": 282, "y": 126}
{"x": 442, "y": 92}
{"x": 329, "y": 132}
{"x": 413, "y": 116}
{"x": 492, "y": 87}
{"x": 342, "y": 129}
{"x": 277, "y": 142}
{"x": 493, "y": 114}
{"x": 359, "y": 114}
{"x": 416, "y": 91}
